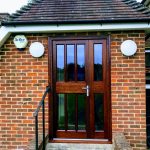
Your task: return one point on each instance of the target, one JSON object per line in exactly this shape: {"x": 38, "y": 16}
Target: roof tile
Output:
{"x": 68, "y": 11}
{"x": 3, "y": 16}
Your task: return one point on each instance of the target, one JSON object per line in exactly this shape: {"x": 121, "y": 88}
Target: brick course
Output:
{"x": 23, "y": 80}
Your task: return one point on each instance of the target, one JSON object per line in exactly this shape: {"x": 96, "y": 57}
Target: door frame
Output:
{"x": 52, "y": 84}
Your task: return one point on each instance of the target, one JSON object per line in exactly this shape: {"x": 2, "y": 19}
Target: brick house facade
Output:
{"x": 23, "y": 80}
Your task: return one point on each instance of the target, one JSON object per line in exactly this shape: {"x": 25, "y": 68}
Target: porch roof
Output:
{"x": 79, "y": 11}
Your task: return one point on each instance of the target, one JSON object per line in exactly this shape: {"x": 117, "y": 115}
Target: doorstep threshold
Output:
{"x": 80, "y": 139}
{"x": 89, "y": 141}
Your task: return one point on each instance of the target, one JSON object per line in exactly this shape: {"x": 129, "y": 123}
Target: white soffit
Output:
{"x": 5, "y": 31}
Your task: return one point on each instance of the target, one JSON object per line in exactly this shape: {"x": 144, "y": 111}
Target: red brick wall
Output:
{"x": 128, "y": 89}
{"x": 23, "y": 80}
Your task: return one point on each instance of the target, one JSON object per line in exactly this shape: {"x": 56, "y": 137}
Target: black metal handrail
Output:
{"x": 43, "y": 119}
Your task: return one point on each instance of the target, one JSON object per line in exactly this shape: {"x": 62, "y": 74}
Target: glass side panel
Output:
{"x": 148, "y": 116}
{"x": 80, "y": 63}
{"x": 61, "y": 112}
{"x": 60, "y": 62}
{"x": 99, "y": 112}
{"x": 98, "y": 71}
{"x": 147, "y": 63}
{"x": 71, "y": 111}
{"x": 147, "y": 59}
{"x": 70, "y": 63}
{"x": 81, "y": 111}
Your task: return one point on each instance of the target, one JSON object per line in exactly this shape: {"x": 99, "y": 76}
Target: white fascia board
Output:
{"x": 82, "y": 27}
{"x": 5, "y": 31}
{"x": 4, "y": 34}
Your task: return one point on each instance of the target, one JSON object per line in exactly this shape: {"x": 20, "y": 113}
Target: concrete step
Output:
{"x": 72, "y": 146}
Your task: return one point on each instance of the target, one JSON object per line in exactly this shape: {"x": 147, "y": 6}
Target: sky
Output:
{"x": 10, "y": 6}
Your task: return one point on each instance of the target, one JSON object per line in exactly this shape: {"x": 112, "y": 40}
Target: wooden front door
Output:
{"x": 80, "y": 89}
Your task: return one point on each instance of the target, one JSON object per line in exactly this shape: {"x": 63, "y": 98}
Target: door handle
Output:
{"x": 87, "y": 88}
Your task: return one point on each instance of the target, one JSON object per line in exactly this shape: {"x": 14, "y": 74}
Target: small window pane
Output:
{"x": 61, "y": 112}
{"x": 148, "y": 116}
{"x": 70, "y": 63}
{"x": 147, "y": 62}
{"x": 98, "y": 71}
{"x": 81, "y": 112}
{"x": 147, "y": 59}
{"x": 71, "y": 111}
{"x": 81, "y": 62}
{"x": 99, "y": 112}
{"x": 60, "y": 62}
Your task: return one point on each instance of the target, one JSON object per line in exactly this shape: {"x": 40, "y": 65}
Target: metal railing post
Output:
{"x": 36, "y": 131}
{"x": 43, "y": 108}
{"x": 41, "y": 104}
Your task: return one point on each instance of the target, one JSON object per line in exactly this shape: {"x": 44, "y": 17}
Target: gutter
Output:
{"x": 41, "y": 22}
{"x": 5, "y": 31}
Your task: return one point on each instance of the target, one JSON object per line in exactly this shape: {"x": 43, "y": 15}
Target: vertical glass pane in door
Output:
{"x": 80, "y": 63}
{"x": 71, "y": 111}
{"x": 70, "y": 63}
{"x": 99, "y": 112}
{"x": 81, "y": 111}
{"x": 98, "y": 71}
{"x": 60, "y": 62}
{"x": 61, "y": 112}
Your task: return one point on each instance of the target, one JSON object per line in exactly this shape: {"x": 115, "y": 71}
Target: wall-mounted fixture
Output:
{"x": 36, "y": 49}
{"x": 128, "y": 48}
{"x": 20, "y": 42}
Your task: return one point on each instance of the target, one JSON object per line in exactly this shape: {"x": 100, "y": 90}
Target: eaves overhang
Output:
{"x": 47, "y": 22}
{"x": 5, "y": 31}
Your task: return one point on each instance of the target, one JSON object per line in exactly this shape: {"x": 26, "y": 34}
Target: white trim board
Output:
{"x": 5, "y": 31}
